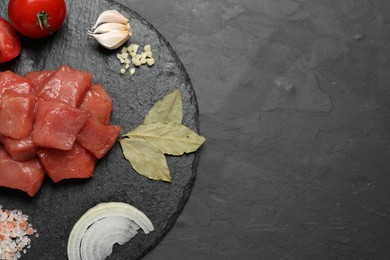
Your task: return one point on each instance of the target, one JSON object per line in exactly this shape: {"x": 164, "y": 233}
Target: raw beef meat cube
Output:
{"x": 26, "y": 176}
{"x": 19, "y": 149}
{"x": 99, "y": 103}
{"x": 98, "y": 138}
{"x": 12, "y": 81}
{"x": 39, "y": 78}
{"x": 67, "y": 85}
{"x": 57, "y": 124}
{"x": 17, "y": 114}
{"x": 74, "y": 163}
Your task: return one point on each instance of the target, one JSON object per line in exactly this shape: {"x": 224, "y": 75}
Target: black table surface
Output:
{"x": 294, "y": 101}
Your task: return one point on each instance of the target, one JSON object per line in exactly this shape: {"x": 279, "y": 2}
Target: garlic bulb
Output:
{"x": 111, "y": 29}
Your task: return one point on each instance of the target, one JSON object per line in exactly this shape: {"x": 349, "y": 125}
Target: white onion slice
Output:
{"x": 102, "y": 226}
{"x": 109, "y": 231}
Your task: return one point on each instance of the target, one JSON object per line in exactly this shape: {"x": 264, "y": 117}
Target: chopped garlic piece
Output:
{"x": 125, "y": 55}
{"x": 148, "y": 54}
{"x": 129, "y": 57}
{"x": 150, "y": 61}
{"x": 132, "y": 48}
{"x": 147, "y": 48}
{"x": 136, "y": 62}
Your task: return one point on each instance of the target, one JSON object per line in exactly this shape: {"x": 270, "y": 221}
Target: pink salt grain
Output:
{"x": 14, "y": 234}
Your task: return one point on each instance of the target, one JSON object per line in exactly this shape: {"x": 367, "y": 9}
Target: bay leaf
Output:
{"x": 170, "y": 138}
{"x": 168, "y": 109}
{"x": 146, "y": 158}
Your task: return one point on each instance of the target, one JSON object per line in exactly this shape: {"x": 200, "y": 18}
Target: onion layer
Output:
{"x": 102, "y": 226}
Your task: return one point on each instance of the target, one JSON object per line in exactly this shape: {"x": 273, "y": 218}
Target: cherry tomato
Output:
{"x": 36, "y": 18}
{"x": 9, "y": 42}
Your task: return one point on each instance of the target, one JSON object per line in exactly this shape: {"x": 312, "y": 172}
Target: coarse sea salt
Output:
{"x": 15, "y": 232}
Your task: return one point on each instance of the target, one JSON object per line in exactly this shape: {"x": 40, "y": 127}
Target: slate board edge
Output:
{"x": 188, "y": 188}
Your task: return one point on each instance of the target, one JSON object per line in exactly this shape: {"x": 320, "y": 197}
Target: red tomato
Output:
{"x": 9, "y": 42}
{"x": 36, "y": 18}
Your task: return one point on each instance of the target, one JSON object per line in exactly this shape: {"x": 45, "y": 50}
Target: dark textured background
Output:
{"x": 294, "y": 99}
{"x": 294, "y": 103}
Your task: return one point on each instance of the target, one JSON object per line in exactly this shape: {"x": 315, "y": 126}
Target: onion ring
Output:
{"x": 102, "y": 226}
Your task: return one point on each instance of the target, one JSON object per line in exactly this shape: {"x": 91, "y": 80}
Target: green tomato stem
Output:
{"x": 42, "y": 20}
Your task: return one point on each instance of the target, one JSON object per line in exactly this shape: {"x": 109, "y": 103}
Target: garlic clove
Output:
{"x": 112, "y": 40}
{"x": 108, "y": 27}
{"x": 110, "y": 16}
{"x": 111, "y": 29}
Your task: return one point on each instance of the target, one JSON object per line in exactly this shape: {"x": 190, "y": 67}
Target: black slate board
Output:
{"x": 55, "y": 209}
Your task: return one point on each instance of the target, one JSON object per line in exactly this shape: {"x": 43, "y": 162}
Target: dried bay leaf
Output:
{"x": 162, "y": 133}
{"x": 146, "y": 158}
{"x": 168, "y": 109}
{"x": 170, "y": 138}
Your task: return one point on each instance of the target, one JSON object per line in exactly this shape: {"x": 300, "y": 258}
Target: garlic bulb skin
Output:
{"x": 111, "y": 29}
{"x": 110, "y": 16}
{"x": 112, "y": 40}
{"x": 108, "y": 27}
